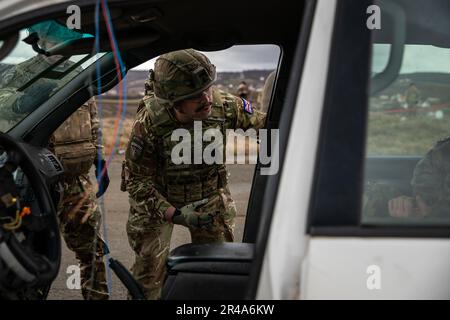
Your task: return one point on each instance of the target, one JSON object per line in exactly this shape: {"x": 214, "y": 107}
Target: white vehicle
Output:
{"x": 321, "y": 228}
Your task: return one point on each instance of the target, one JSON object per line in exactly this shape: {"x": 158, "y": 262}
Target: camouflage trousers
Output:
{"x": 79, "y": 222}
{"x": 149, "y": 236}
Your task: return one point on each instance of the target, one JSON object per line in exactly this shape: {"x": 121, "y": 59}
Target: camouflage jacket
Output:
{"x": 147, "y": 172}
{"x": 431, "y": 179}
{"x": 412, "y": 96}
{"x": 76, "y": 138}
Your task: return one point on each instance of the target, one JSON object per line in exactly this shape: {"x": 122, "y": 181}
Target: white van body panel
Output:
{"x": 377, "y": 268}
{"x": 287, "y": 242}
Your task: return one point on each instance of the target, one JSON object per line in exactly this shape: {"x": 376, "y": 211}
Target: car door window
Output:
{"x": 238, "y": 74}
{"x": 408, "y": 138}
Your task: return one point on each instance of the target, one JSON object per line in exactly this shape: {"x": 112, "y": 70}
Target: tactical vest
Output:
{"x": 72, "y": 141}
{"x": 185, "y": 183}
{"x": 73, "y": 144}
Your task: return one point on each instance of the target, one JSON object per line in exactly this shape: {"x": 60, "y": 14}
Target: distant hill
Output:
{"x": 430, "y": 85}
{"x": 226, "y": 80}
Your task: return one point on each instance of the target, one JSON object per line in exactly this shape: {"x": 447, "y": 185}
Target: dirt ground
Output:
{"x": 116, "y": 206}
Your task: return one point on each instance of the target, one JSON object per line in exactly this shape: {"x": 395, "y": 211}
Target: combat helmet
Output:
{"x": 180, "y": 75}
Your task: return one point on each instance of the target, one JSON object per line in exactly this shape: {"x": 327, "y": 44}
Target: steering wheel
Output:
{"x": 29, "y": 255}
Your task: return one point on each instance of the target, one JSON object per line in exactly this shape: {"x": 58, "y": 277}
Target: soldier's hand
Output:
{"x": 401, "y": 207}
{"x": 188, "y": 216}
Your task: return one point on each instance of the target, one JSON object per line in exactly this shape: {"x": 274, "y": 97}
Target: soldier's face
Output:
{"x": 197, "y": 108}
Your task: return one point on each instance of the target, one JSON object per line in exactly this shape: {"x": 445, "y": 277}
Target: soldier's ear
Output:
{"x": 177, "y": 106}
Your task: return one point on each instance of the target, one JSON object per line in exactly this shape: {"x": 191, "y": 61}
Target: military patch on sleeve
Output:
{"x": 247, "y": 106}
{"x": 136, "y": 148}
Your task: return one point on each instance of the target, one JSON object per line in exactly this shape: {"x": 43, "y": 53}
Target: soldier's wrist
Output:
{"x": 169, "y": 214}
{"x": 176, "y": 217}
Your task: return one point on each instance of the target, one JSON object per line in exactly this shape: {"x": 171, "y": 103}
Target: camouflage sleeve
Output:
{"x": 8, "y": 118}
{"x": 431, "y": 179}
{"x": 95, "y": 126}
{"x": 141, "y": 164}
{"x": 6, "y": 75}
{"x": 7, "y": 98}
{"x": 241, "y": 114}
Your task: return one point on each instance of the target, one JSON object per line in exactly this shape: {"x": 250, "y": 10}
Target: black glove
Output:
{"x": 104, "y": 180}
{"x": 34, "y": 96}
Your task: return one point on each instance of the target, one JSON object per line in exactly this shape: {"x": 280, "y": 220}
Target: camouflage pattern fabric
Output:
{"x": 155, "y": 184}
{"x": 79, "y": 219}
{"x": 75, "y": 143}
{"x": 255, "y": 97}
{"x": 431, "y": 180}
{"x": 15, "y": 104}
{"x": 267, "y": 91}
{"x": 11, "y": 78}
{"x": 376, "y": 197}
{"x": 181, "y": 74}
{"x": 412, "y": 96}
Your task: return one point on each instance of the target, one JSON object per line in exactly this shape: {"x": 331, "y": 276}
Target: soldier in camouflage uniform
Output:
{"x": 162, "y": 193}
{"x": 430, "y": 184}
{"x": 412, "y": 97}
{"x": 243, "y": 90}
{"x": 377, "y": 195}
{"x": 75, "y": 144}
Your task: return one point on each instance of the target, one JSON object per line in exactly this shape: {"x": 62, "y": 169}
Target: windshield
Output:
{"x": 29, "y": 75}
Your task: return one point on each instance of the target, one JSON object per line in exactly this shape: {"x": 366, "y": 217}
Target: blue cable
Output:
{"x": 100, "y": 109}
{"x": 124, "y": 87}
{"x": 100, "y": 141}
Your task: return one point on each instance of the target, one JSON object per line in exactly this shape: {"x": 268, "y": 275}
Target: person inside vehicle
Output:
{"x": 430, "y": 184}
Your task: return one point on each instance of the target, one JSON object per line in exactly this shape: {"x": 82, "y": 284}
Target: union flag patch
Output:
{"x": 247, "y": 106}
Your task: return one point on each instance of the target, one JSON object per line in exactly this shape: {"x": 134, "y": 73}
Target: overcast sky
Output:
{"x": 417, "y": 58}
{"x": 237, "y": 58}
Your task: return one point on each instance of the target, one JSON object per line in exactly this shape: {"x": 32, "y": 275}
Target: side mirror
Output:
{"x": 397, "y": 29}
{"x": 8, "y": 43}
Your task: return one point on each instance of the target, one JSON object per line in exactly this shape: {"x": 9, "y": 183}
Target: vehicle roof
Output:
{"x": 207, "y": 25}
{"x": 198, "y": 24}
{"x": 11, "y": 8}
